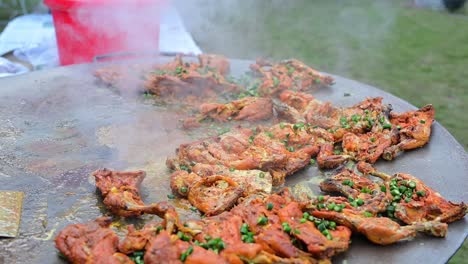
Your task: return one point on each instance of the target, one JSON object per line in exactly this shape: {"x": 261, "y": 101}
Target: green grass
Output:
{"x": 418, "y": 55}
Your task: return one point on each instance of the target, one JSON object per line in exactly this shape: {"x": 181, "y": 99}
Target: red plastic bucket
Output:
{"x": 89, "y": 28}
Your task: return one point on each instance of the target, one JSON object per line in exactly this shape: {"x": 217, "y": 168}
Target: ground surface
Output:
{"x": 418, "y": 55}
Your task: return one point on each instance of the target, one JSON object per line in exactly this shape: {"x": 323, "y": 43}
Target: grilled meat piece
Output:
{"x": 414, "y": 201}
{"x": 364, "y": 194}
{"x": 288, "y": 75}
{"x": 179, "y": 79}
{"x": 92, "y": 242}
{"x": 367, "y": 147}
{"x": 121, "y": 193}
{"x": 316, "y": 242}
{"x": 218, "y": 62}
{"x": 368, "y": 115}
{"x": 259, "y": 149}
{"x": 136, "y": 240}
{"x": 415, "y": 130}
{"x": 247, "y": 108}
{"x": 214, "y": 194}
{"x": 167, "y": 248}
{"x": 379, "y": 230}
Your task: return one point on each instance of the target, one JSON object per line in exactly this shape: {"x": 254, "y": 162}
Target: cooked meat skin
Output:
{"x": 248, "y": 108}
{"x": 419, "y": 203}
{"x": 415, "y": 130}
{"x": 92, "y": 242}
{"x": 121, "y": 193}
{"x": 179, "y": 79}
{"x": 214, "y": 194}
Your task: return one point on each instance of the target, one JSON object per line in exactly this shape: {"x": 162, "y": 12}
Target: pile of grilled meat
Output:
{"x": 231, "y": 178}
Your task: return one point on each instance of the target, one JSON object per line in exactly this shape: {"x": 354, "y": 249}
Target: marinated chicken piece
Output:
{"x": 182, "y": 181}
{"x": 382, "y": 230}
{"x": 328, "y": 158}
{"x": 167, "y": 248}
{"x": 178, "y": 79}
{"x": 316, "y": 242}
{"x": 246, "y": 149}
{"x": 214, "y": 194}
{"x": 415, "y": 130}
{"x": 136, "y": 240}
{"x": 247, "y": 108}
{"x": 92, "y": 242}
{"x": 415, "y": 202}
{"x": 121, "y": 193}
{"x": 367, "y": 147}
{"x": 285, "y": 75}
{"x": 110, "y": 75}
{"x": 379, "y": 230}
{"x": 364, "y": 194}
{"x": 218, "y": 62}
{"x": 251, "y": 181}
{"x": 368, "y": 115}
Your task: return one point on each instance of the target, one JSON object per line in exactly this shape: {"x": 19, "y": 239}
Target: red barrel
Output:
{"x": 89, "y": 28}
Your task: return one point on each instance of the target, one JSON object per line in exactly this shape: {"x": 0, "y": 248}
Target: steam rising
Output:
{"x": 250, "y": 29}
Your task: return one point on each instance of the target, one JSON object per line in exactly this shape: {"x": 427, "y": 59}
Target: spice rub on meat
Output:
{"x": 261, "y": 229}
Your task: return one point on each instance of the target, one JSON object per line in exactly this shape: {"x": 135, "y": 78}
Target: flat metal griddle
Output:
{"x": 57, "y": 126}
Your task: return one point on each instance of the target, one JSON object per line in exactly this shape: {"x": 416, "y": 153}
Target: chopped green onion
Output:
{"x": 170, "y": 196}
{"x": 183, "y": 189}
{"x": 422, "y": 121}
{"x": 312, "y": 162}
{"x": 269, "y": 206}
{"x": 412, "y": 184}
{"x": 367, "y": 214}
{"x": 321, "y": 198}
{"x": 303, "y": 220}
{"x": 261, "y": 175}
{"x": 187, "y": 253}
{"x": 337, "y": 208}
{"x": 286, "y": 227}
{"x": 421, "y": 193}
{"x": 262, "y": 220}
{"x": 297, "y": 231}
{"x": 359, "y": 201}
{"x": 387, "y": 126}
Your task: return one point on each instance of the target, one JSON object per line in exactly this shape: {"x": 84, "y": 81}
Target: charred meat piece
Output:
{"x": 247, "y": 108}
{"x": 92, "y": 242}
{"x": 121, "y": 193}
{"x": 415, "y": 130}
{"x": 288, "y": 75}
{"x": 180, "y": 79}
{"x": 415, "y": 202}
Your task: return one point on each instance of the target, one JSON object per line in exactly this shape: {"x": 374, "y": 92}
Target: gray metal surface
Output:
{"x": 57, "y": 126}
